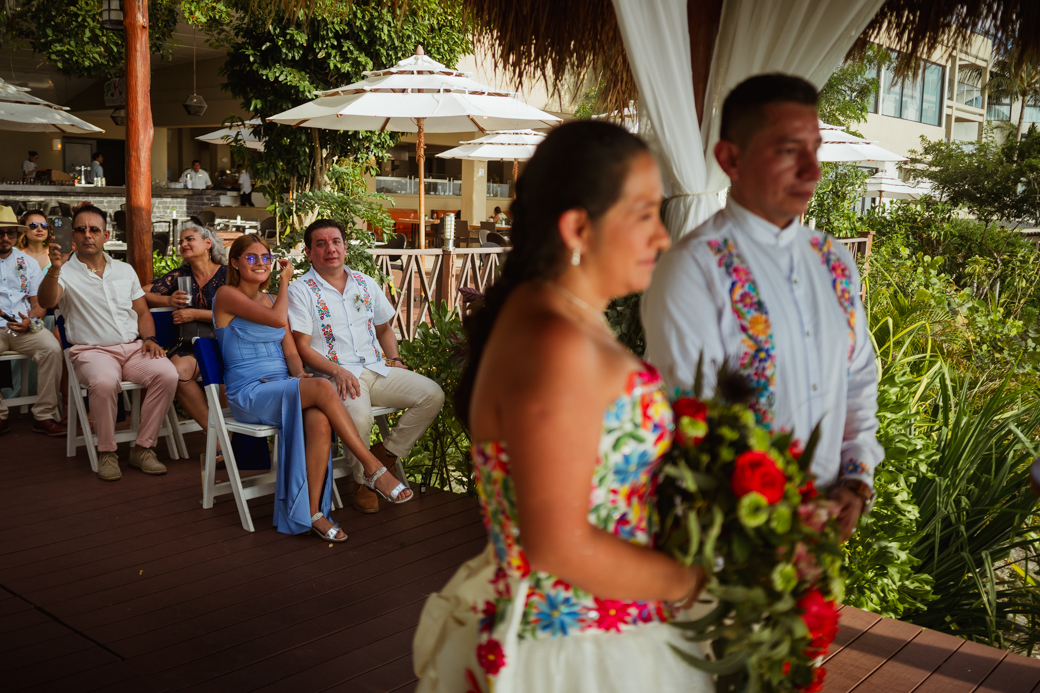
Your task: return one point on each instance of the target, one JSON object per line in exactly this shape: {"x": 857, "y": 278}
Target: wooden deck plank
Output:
{"x": 866, "y": 653}
{"x": 912, "y": 664}
{"x": 963, "y": 673}
{"x": 241, "y": 580}
{"x": 852, "y": 623}
{"x": 1012, "y": 675}
{"x": 351, "y": 582}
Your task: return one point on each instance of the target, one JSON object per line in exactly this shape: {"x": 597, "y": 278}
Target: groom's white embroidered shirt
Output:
{"x": 342, "y": 326}
{"x": 783, "y": 307}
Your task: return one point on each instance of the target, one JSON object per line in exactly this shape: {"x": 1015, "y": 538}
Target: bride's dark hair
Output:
{"x": 580, "y": 165}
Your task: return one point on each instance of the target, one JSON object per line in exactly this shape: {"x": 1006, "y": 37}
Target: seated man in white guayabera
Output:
{"x": 754, "y": 288}
{"x": 341, "y": 321}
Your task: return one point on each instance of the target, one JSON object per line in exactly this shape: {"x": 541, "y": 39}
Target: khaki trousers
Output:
{"x": 45, "y": 352}
{"x": 401, "y": 389}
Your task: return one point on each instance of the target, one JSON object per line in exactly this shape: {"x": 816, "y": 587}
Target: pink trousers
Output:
{"x": 101, "y": 368}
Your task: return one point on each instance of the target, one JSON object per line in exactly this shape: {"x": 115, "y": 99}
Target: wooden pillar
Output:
{"x": 139, "y": 134}
{"x": 420, "y": 158}
{"x": 703, "y": 18}
{"x": 445, "y": 290}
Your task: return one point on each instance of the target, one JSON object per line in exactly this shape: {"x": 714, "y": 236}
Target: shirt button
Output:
{"x": 794, "y": 280}
{"x": 815, "y": 388}
{"x": 807, "y": 333}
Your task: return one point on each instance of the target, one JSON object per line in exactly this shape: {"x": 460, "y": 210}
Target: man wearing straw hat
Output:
{"x": 755, "y": 289}
{"x": 20, "y": 277}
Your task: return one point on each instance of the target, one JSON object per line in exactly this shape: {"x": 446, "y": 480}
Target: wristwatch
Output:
{"x": 149, "y": 339}
{"x": 863, "y": 490}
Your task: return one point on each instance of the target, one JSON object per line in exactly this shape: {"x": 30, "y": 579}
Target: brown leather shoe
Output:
{"x": 365, "y": 500}
{"x": 379, "y": 452}
{"x": 49, "y": 427}
{"x": 145, "y": 460}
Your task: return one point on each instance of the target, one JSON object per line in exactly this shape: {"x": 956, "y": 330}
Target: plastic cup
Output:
{"x": 184, "y": 284}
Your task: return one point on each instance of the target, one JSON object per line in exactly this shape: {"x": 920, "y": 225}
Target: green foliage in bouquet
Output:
{"x": 740, "y": 502}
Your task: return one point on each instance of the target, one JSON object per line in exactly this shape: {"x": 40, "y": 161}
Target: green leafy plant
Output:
{"x": 441, "y": 457}
{"x": 164, "y": 264}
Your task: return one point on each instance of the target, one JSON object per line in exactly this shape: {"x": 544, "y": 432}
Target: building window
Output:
{"x": 1032, "y": 114}
{"x": 998, "y": 111}
{"x": 917, "y": 98}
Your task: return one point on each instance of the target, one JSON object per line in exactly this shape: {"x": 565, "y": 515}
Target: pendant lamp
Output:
{"x": 112, "y": 15}
{"x": 194, "y": 105}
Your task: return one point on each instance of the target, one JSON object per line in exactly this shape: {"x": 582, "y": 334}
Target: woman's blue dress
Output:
{"x": 260, "y": 390}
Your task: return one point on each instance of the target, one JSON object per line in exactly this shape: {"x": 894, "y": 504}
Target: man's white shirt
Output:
{"x": 195, "y": 180}
{"x": 245, "y": 182}
{"x": 99, "y": 310}
{"x": 28, "y": 167}
{"x": 688, "y": 310}
{"x": 349, "y": 316}
{"x": 20, "y": 277}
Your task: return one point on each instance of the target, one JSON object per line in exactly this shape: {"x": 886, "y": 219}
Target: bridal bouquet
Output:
{"x": 741, "y": 503}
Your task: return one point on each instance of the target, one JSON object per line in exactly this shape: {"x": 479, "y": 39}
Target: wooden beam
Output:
{"x": 703, "y": 17}
{"x": 139, "y": 132}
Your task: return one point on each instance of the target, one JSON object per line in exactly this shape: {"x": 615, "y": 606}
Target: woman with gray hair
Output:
{"x": 205, "y": 264}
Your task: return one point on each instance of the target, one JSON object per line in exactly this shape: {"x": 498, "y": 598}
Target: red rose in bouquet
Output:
{"x": 821, "y": 618}
{"x": 692, "y": 431}
{"x": 758, "y": 472}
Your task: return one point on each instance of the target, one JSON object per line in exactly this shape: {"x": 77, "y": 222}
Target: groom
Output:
{"x": 755, "y": 289}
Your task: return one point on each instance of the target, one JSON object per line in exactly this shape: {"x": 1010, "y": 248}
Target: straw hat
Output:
{"x": 8, "y": 219}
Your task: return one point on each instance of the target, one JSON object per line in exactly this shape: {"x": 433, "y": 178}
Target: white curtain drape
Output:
{"x": 657, "y": 40}
{"x": 808, "y": 38}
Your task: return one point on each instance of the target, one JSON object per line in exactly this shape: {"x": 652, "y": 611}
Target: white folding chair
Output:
{"x": 22, "y": 400}
{"x": 340, "y": 468}
{"x": 221, "y": 424}
{"x": 77, "y": 398}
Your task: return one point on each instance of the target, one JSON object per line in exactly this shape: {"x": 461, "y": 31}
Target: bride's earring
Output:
{"x": 576, "y": 256}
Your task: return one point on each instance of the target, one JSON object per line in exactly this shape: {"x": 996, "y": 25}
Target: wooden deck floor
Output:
{"x": 132, "y": 586}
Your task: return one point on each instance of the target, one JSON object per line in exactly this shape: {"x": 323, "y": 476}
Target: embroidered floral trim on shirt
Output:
{"x": 324, "y": 314}
{"x": 841, "y": 277}
{"x": 853, "y": 466}
{"x": 637, "y": 430}
{"x": 758, "y": 362}
{"x": 366, "y": 299}
{"x": 20, "y": 269}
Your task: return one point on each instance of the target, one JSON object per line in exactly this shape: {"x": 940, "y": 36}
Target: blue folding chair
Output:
{"x": 77, "y": 399}
{"x": 168, "y": 334}
{"x": 221, "y": 424}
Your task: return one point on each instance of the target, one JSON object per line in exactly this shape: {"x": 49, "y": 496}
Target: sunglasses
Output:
{"x": 38, "y": 225}
{"x": 13, "y": 233}
{"x": 83, "y": 229}
{"x": 253, "y": 258}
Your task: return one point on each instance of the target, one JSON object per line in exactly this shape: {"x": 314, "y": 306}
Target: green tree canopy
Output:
{"x": 69, "y": 35}
{"x": 273, "y": 65}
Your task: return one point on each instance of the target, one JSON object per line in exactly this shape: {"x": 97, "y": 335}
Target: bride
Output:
{"x": 568, "y": 427}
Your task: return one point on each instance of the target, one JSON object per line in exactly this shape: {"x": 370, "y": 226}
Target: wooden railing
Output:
{"x": 419, "y": 278}
{"x": 422, "y": 278}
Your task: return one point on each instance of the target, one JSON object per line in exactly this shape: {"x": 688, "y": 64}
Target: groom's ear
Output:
{"x": 575, "y": 228}
{"x": 728, "y": 155}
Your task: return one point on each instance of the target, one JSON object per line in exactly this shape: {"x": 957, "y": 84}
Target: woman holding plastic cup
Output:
{"x": 190, "y": 289}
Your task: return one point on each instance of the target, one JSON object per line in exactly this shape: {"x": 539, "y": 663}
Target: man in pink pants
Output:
{"x": 107, "y": 321}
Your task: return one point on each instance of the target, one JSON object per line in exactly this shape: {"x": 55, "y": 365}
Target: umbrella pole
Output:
{"x": 420, "y": 157}
{"x": 516, "y": 167}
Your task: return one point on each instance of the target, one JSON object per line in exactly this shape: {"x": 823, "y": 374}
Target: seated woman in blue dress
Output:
{"x": 265, "y": 383}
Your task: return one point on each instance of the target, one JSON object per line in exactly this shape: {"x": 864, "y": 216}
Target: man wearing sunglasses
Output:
{"x": 21, "y": 327}
{"x": 113, "y": 337}
{"x": 340, "y": 320}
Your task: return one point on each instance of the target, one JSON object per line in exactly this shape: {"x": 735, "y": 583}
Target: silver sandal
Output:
{"x": 330, "y": 535}
{"x": 395, "y": 494}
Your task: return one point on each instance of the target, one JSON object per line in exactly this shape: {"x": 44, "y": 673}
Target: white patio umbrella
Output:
{"x": 21, "y": 111}
{"x": 840, "y": 146}
{"x": 501, "y": 145}
{"x": 883, "y": 186}
{"x": 227, "y": 135}
{"x": 417, "y": 95}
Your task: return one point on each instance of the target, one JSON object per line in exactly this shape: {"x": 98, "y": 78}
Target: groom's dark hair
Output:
{"x": 322, "y": 224}
{"x": 743, "y": 111}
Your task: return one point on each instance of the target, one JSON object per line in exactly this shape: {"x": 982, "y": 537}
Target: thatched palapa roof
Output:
{"x": 561, "y": 39}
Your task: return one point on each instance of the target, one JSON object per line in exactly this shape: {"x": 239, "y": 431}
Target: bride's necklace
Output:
{"x": 600, "y": 317}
